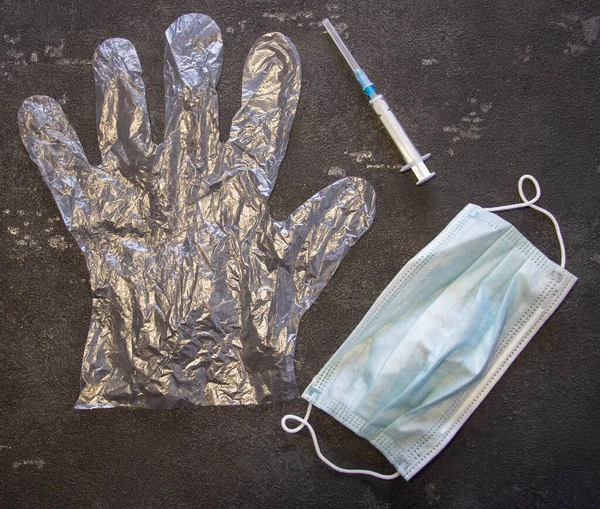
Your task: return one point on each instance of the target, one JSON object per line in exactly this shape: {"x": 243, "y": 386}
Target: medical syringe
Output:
{"x": 414, "y": 160}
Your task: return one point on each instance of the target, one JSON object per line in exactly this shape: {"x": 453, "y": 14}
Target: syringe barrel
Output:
{"x": 409, "y": 152}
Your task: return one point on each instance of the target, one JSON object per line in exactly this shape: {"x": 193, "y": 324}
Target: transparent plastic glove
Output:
{"x": 197, "y": 291}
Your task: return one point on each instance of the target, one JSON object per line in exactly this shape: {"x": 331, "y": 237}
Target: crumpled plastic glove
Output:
{"x": 197, "y": 291}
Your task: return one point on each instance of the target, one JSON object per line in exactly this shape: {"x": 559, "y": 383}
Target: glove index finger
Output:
{"x": 55, "y": 148}
{"x": 270, "y": 90}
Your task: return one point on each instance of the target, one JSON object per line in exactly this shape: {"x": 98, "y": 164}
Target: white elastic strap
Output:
{"x": 304, "y": 422}
{"x": 530, "y": 203}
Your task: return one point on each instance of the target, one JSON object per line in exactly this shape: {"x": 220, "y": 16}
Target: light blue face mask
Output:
{"x": 439, "y": 337}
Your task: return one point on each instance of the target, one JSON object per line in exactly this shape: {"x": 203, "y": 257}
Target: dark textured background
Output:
{"x": 528, "y": 71}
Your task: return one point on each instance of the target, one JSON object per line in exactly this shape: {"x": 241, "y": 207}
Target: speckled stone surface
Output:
{"x": 493, "y": 90}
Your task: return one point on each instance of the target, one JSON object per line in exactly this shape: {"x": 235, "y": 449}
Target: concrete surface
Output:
{"x": 492, "y": 89}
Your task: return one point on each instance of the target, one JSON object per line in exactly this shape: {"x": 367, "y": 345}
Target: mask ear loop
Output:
{"x": 304, "y": 422}
{"x": 530, "y": 203}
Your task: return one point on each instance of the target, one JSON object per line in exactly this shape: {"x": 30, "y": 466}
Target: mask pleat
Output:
{"x": 463, "y": 357}
{"x": 408, "y": 350}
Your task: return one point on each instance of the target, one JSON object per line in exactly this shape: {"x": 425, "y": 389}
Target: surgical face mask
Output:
{"x": 439, "y": 338}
